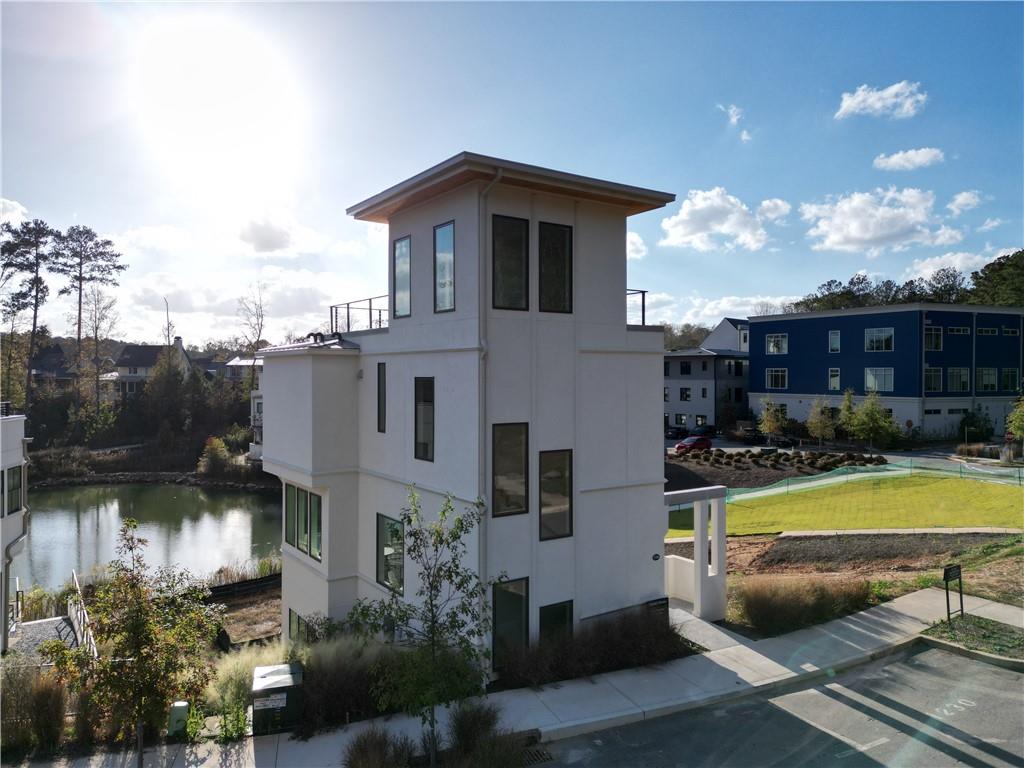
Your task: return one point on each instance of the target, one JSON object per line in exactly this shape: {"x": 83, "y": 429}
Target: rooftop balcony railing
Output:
{"x": 636, "y": 306}
{"x": 360, "y": 315}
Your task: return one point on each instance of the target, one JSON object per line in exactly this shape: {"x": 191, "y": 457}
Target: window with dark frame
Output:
{"x": 684, "y": 367}
{"x": 933, "y": 338}
{"x": 444, "y": 267}
{"x": 391, "y": 554}
{"x": 511, "y": 619}
{"x": 402, "y": 267}
{"x": 289, "y": 514}
{"x": 510, "y": 254}
{"x": 315, "y": 526}
{"x": 509, "y": 468}
{"x": 555, "y": 471}
{"x": 302, "y": 519}
{"x": 555, "y": 621}
{"x": 684, "y": 393}
{"x": 13, "y": 493}
{"x": 554, "y": 257}
{"x": 382, "y": 397}
{"x": 932, "y": 379}
{"x": 424, "y": 417}
{"x": 1011, "y": 379}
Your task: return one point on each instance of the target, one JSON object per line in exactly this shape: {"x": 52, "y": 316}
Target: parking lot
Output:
{"x": 925, "y": 708}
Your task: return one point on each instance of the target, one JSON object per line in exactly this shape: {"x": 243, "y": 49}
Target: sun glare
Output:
{"x": 220, "y": 110}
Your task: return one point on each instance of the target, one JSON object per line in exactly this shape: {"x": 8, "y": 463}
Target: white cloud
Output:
{"x": 266, "y": 236}
{"x": 990, "y": 224}
{"x": 745, "y": 136}
{"x": 773, "y": 208}
{"x": 963, "y": 261}
{"x": 713, "y": 217}
{"x": 909, "y": 159}
{"x": 160, "y": 237}
{"x": 635, "y": 246}
{"x": 665, "y": 308}
{"x": 900, "y": 100}
{"x": 12, "y": 212}
{"x": 733, "y": 112}
{"x": 964, "y": 201}
{"x": 873, "y": 221}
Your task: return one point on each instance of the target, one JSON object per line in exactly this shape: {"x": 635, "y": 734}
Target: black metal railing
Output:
{"x": 360, "y": 315}
{"x": 6, "y": 409}
{"x": 630, "y": 293}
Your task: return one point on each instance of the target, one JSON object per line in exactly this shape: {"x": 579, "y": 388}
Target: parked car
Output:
{"x": 676, "y": 433}
{"x": 694, "y": 444}
{"x": 781, "y": 441}
{"x": 704, "y": 430}
{"x": 753, "y": 436}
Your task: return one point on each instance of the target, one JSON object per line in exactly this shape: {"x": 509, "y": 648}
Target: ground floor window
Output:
{"x": 701, "y": 420}
{"x": 1011, "y": 379}
{"x": 932, "y": 379}
{"x": 555, "y": 494}
{"x": 391, "y": 554}
{"x": 555, "y": 621}
{"x": 13, "y": 495}
{"x": 776, "y": 378}
{"x": 680, "y": 419}
{"x": 297, "y": 628}
{"x": 511, "y": 628}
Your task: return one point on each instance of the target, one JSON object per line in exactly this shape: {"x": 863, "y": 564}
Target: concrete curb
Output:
{"x": 1016, "y": 665}
{"x": 614, "y": 719}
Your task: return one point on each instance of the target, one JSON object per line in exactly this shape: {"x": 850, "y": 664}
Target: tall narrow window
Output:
{"x": 555, "y": 494}
{"x": 932, "y": 379}
{"x": 315, "y": 526}
{"x": 933, "y": 338}
{"x": 833, "y": 341}
{"x": 1011, "y": 380}
{"x": 985, "y": 379}
{"x": 403, "y": 277}
{"x": 555, "y": 266}
{"x": 382, "y": 397}
{"x": 509, "y": 459}
{"x": 511, "y": 256}
{"x": 390, "y": 554}
{"x": 958, "y": 379}
{"x": 289, "y": 514}
{"x": 444, "y": 267}
{"x": 555, "y": 621}
{"x": 424, "y": 437}
{"x": 776, "y": 378}
{"x": 302, "y": 518}
{"x": 511, "y": 627}
{"x": 13, "y": 489}
{"x": 833, "y": 379}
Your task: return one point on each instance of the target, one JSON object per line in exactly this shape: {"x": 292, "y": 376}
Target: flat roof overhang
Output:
{"x": 467, "y": 167}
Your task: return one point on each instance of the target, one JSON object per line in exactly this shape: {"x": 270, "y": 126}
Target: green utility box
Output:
{"x": 276, "y": 698}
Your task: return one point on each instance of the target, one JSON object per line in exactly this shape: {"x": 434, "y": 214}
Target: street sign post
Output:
{"x": 952, "y": 573}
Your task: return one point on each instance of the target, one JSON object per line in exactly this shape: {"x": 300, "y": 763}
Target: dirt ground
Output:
{"x": 680, "y": 475}
{"x": 253, "y": 616}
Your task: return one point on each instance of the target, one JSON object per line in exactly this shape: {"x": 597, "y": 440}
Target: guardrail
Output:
{"x": 78, "y": 615}
{"x": 360, "y": 315}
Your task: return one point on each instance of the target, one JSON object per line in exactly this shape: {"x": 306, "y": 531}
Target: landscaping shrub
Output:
{"x": 215, "y": 459}
{"x": 630, "y": 639}
{"x": 471, "y": 724}
{"x": 376, "y": 748}
{"x": 47, "y": 705}
{"x": 231, "y": 685}
{"x": 15, "y": 727}
{"x": 775, "y": 605}
{"x": 237, "y": 438}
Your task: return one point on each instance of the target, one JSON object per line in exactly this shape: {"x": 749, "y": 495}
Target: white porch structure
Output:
{"x": 698, "y": 581}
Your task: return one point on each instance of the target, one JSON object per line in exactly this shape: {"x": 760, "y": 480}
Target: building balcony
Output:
{"x": 360, "y": 315}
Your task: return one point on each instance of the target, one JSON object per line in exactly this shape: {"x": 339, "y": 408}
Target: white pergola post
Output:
{"x": 698, "y": 581}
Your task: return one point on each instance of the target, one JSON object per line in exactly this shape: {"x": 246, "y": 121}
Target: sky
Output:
{"x": 219, "y": 145}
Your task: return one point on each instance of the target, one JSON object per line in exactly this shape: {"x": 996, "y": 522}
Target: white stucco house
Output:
{"x": 13, "y": 504}
{"x": 500, "y": 366}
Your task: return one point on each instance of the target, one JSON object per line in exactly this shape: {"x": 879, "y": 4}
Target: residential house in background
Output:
{"x": 500, "y": 366}
{"x": 238, "y": 370}
{"x": 53, "y": 367}
{"x": 135, "y": 364}
{"x": 929, "y": 363}
{"x": 13, "y": 506}
{"x": 707, "y": 385}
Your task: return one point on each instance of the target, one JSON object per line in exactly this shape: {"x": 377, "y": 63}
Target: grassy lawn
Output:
{"x": 893, "y": 502}
{"x": 978, "y": 634}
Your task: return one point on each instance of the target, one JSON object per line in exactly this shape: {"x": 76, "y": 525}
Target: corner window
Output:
{"x": 511, "y": 625}
{"x": 932, "y": 338}
{"x": 315, "y": 526}
{"x": 382, "y": 395}
{"x": 298, "y": 630}
{"x": 833, "y": 379}
{"x": 1011, "y": 380}
{"x": 555, "y": 621}
{"x": 833, "y": 342}
{"x": 776, "y": 344}
{"x": 958, "y": 379}
{"x": 444, "y": 267}
{"x": 402, "y": 257}
{"x": 878, "y": 339}
{"x": 424, "y": 426}
{"x": 509, "y": 460}
{"x": 776, "y": 378}
{"x": 878, "y": 380}
{"x": 986, "y": 379}
{"x": 302, "y": 519}
{"x": 289, "y": 514}
{"x": 555, "y": 494}
{"x": 554, "y": 256}
{"x": 510, "y": 251}
{"x": 932, "y": 379}
{"x": 13, "y": 489}
{"x": 391, "y": 554}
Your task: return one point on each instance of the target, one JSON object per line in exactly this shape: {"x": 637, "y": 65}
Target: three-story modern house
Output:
{"x": 500, "y": 367}
{"x": 929, "y": 363}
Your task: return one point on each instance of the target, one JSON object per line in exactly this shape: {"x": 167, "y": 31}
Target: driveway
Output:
{"x": 924, "y": 708}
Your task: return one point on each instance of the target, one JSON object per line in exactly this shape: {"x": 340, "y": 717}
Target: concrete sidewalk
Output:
{"x": 734, "y": 666}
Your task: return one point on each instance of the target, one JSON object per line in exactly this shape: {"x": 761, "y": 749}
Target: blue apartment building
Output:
{"x": 929, "y": 363}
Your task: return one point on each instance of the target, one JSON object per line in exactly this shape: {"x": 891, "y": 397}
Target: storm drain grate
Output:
{"x": 536, "y": 756}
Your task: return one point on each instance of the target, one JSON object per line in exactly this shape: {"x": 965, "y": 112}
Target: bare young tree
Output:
{"x": 252, "y": 313}
{"x": 762, "y": 308}
{"x": 100, "y": 320}
{"x": 168, "y": 328}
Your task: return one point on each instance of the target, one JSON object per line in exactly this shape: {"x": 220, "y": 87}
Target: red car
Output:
{"x": 694, "y": 444}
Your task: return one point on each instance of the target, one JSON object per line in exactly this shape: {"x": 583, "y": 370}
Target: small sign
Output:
{"x": 951, "y": 573}
{"x": 274, "y": 701}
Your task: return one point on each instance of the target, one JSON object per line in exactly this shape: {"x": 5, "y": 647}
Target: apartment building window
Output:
{"x": 743, "y": 339}
{"x": 666, "y": 394}
{"x": 303, "y": 520}
{"x": 424, "y": 427}
{"x": 1011, "y": 331}
{"x": 129, "y": 387}
{"x": 958, "y": 379}
{"x": 298, "y": 629}
{"x": 13, "y": 495}
{"x": 986, "y": 380}
{"x": 987, "y": 332}
{"x": 666, "y": 366}
{"x": 444, "y": 267}
{"x": 391, "y": 554}
{"x": 382, "y": 397}
{"x": 956, "y": 411}
{"x": 878, "y": 379}
{"x": 554, "y": 256}
{"x": 133, "y": 371}
{"x": 684, "y": 367}
{"x": 510, "y": 462}
{"x": 700, "y": 421}
{"x": 1011, "y": 379}
{"x": 958, "y": 330}
{"x": 680, "y": 419}
{"x": 833, "y": 379}
{"x": 932, "y": 339}
{"x": 932, "y": 379}
{"x": 703, "y": 365}
{"x": 402, "y": 266}
{"x": 289, "y": 514}
{"x": 833, "y": 341}
{"x": 739, "y": 394}
{"x": 510, "y": 251}
{"x": 878, "y": 339}
{"x": 704, "y": 392}
{"x": 776, "y": 344}
{"x": 932, "y": 411}
{"x": 316, "y": 522}
{"x": 555, "y": 494}
{"x": 555, "y": 621}
{"x": 511, "y": 622}
{"x": 776, "y": 378}
{"x": 739, "y": 367}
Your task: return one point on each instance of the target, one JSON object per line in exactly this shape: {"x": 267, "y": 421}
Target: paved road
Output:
{"x": 926, "y": 709}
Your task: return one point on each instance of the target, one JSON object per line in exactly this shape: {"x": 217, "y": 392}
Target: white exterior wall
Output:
{"x": 12, "y": 524}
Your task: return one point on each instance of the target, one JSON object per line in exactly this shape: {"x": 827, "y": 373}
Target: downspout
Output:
{"x": 484, "y": 306}
{"x": 8, "y": 557}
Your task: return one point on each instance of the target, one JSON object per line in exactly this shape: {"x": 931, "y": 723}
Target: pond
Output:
{"x": 195, "y": 528}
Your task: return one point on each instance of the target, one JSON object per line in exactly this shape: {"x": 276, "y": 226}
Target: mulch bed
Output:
{"x": 680, "y": 476}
